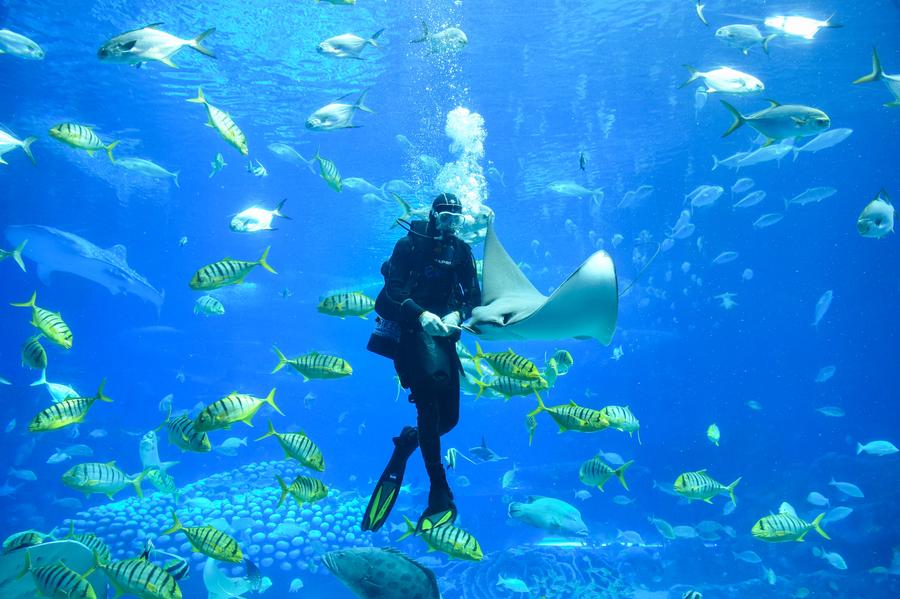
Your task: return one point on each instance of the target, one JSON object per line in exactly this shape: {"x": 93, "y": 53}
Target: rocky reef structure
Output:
{"x": 288, "y": 540}
{"x": 555, "y": 572}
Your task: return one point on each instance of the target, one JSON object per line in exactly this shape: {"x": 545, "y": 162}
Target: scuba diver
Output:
{"x": 430, "y": 287}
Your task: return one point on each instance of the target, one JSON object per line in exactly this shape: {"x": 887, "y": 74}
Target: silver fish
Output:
{"x": 829, "y": 139}
{"x": 767, "y": 220}
{"x": 148, "y": 168}
{"x": 822, "y": 307}
{"x": 16, "y": 44}
{"x": 149, "y": 43}
{"x": 337, "y": 115}
{"x": 347, "y": 45}
{"x": 877, "y": 218}
{"x": 780, "y": 121}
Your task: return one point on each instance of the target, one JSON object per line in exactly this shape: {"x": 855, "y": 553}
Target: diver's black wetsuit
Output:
{"x": 437, "y": 275}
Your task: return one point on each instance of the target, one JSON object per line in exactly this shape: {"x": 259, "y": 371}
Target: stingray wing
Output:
{"x": 585, "y": 306}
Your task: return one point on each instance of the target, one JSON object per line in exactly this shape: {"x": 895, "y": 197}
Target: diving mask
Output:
{"x": 449, "y": 220}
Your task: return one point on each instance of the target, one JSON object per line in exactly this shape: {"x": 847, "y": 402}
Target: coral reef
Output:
{"x": 242, "y": 502}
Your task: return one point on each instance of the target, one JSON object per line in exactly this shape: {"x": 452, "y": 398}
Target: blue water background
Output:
{"x": 551, "y": 80}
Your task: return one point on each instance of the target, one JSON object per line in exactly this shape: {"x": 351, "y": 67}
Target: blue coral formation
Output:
{"x": 242, "y": 502}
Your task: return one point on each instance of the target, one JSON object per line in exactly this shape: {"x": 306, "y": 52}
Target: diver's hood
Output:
{"x": 584, "y": 306}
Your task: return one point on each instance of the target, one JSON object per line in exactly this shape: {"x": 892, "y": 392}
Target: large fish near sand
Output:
{"x": 58, "y": 251}
{"x": 584, "y": 306}
{"x": 382, "y": 573}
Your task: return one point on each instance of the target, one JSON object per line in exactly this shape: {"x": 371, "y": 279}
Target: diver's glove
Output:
{"x": 452, "y": 320}
{"x": 432, "y": 324}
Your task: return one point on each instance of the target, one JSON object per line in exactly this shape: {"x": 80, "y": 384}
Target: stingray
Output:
{"x": 13, "y": 584}
{"x": 59, "y": 251}
{"x": 221, "y": 586}
{"x": 584, "y": 306}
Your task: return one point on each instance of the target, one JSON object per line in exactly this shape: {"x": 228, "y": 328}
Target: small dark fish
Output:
{"x": 582, "y": 160}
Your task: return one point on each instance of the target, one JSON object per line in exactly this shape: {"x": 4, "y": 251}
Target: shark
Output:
{"x": 58, "y": 251}
{"x": 584, "y": 306}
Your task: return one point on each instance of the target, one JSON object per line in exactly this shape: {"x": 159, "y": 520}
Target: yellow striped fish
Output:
{"x": 572, "y": 417}
{"x": 185, "y": 437}
{"x": 58, "y": 580}
{"x": 329, "y": 172}
{"x": 33, "y": 354}
{"x": 20, "y": 540}
{"x": 94, "y": 477}
{"x": 595, "y": 472}
{"x": 304, "y": 489}
{"x": 221, "y": 121}
{"x": 299, "y": 447}
{"x": 352, "y": 303}
{"x": 208, "y": 306}
{"x": 209, "y": 541}
{"x": 700, "y": 485}
{"x": 83, "y": 138}
{"x": 508, "y": 386}
{"x": 448, "y": 539}
{"x": 315, "y": 365}
{"x": 142, "y": 578}
{"x": 786, "y": 526}
{"x": 68, "y": 411}
{"x": 621, "y": 419}
{"x": 16, "y": 253}
{"x": 49, "y": 323}
{"x": 163, "y": 482}
{"x": 507, "y": 363}
{"x": 227, "y": 271}
{"x": 234, "y": 407}
{"x": 92, "y": 542}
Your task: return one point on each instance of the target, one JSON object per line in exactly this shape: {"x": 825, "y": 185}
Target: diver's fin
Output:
{"x": 388, "y": 487}
{"x": 442, "y": 518}
{"x": 383, "y": 498}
